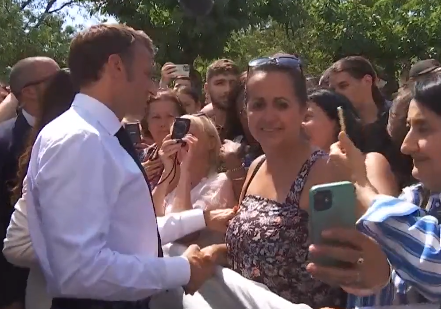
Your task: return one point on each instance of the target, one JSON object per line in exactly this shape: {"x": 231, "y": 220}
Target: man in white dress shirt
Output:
{"x": 90, "y": 212}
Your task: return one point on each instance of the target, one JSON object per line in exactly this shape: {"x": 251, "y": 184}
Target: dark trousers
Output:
{"x": 71, "y": 303}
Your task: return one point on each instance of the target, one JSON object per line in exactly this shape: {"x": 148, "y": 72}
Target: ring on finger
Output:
{"x": 360, "y": 261}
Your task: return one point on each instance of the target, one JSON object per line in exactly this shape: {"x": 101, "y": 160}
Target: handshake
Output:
{"x": 202, "y": 265}
{"x": 203, "y": 262}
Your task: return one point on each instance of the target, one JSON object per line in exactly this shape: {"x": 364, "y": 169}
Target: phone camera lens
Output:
{"x": 323, "y": 200}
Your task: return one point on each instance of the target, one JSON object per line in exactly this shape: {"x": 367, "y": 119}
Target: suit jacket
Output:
{"x": 13, "y": 138}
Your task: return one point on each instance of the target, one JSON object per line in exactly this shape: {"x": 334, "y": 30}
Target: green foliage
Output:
{"x": 180, "y": 38}
{"x": 391, "y": 33}
{"x": 26, "y": 31}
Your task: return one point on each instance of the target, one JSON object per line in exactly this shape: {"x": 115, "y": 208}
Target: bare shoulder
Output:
{"x": 375, "y": 159}
{"x": 324, "y": 171}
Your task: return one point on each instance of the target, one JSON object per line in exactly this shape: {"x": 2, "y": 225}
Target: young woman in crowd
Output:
{"x": 189, "y": 99}
{"x": 161, "y": 112}
{"x": 322, "y": 127}
{"x": 356, "y": 79}
{"x": 199, "y": 184}
{"x": 18, "y": 250}
{"x": 406, "y": 229}
{"x": 240, "y": 148}
{"x": 268, "y": 239}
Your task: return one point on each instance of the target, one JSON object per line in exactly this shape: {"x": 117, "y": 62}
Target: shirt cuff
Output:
{"x": 177, "y": 272}
{"x": 194, "y": 220}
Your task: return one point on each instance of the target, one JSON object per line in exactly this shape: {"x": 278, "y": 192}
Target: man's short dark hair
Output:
{"x": 222, "y": 66}
{"x": 91, "y": 49}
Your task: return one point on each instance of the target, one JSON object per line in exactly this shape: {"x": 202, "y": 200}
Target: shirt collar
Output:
{"x": 99, "y": 111}
{"x": 29, "y": 118}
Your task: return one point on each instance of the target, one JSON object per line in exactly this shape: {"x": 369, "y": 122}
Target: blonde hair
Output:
{"x": 207, "y": 126}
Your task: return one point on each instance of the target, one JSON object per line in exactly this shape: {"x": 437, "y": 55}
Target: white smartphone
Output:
{"x": 182, "y": 70}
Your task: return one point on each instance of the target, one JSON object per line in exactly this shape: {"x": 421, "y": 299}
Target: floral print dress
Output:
{"x": 268, "y": 242}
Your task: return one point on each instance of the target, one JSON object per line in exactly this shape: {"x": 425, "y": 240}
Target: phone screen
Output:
{"x": 134, "y": 132}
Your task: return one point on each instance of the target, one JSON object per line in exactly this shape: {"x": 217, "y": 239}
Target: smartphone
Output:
{"x": 180, "y": 128}
{"x": 134, "y": 132}
{"x": 182, "y": 70}
{"x": 331, "y": 205}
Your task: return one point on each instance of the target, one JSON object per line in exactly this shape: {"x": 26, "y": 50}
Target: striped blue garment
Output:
{"x": 408, "y": 230}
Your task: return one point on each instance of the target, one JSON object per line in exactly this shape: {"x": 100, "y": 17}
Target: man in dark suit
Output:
{"x": 28, "y": 79}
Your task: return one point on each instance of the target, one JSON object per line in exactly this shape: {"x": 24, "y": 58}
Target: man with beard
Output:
{"x": 222, "y": 78}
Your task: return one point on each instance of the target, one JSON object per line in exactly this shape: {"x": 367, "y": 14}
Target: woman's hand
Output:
{"x": 367, "y": 269}
{"x": 216, "y": 253}
{"x": 186, "y": 153}
{"x": 167, "y": 152}
{"x": 231, "y": 154}
{"x": 167, "y": 73}
{"x": 349, "y": 159}
{"x": 153, "y": 168}
{"x": 143, "y": 144}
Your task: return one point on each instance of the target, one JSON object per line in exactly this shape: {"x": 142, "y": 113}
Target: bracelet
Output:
{"x": 236, "y": 169}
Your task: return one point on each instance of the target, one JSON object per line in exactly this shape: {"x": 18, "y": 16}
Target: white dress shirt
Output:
{"x": 29, "y": 118}
{"x": 18, "y": 249}
{"x": 90, "y": 213}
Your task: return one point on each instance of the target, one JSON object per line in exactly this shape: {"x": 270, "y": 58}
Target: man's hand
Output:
{"x": 218, "y": 220}
{"x": 201, "y": 267}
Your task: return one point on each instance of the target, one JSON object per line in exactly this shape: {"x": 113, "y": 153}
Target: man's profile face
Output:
{"x": 139, "y": 80}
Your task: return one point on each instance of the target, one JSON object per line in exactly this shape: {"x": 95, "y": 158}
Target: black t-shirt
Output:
{"x": 377, "y": 139}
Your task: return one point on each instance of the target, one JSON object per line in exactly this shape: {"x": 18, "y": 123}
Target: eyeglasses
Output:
{"x": 284, "y": 61}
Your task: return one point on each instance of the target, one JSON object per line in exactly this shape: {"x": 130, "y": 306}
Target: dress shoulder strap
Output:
{"x": 253, "y": 173}
{"x": 298, "y": 185}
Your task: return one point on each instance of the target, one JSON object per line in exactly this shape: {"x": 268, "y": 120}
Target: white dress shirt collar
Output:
{"x": 99, "y": 111}
{"x": 29, "y": 118}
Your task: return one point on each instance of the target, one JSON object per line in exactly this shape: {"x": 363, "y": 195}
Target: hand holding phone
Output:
{"x": 331, "y": 205}
{"x": 182, "y": 70}
{"x": 181, "y": 127}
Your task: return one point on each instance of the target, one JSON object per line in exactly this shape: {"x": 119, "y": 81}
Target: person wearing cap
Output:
{"x": 27, "y": 80}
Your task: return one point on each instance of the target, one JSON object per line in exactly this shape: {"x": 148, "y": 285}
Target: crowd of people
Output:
{"x": 85, "y": 208}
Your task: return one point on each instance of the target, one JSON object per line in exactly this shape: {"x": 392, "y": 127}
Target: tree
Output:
{"x": 32, "y": 28}
{"x": 181, "y": 38}
{"x": 391, "y": 33}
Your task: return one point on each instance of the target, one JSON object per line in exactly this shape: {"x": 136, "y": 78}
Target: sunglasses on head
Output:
{"x": 284, "y": 61}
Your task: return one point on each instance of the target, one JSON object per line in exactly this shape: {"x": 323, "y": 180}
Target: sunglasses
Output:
{"x": 291, "y": 62}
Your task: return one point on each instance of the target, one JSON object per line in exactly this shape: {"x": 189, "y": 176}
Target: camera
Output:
{"x": 180, "y": 128}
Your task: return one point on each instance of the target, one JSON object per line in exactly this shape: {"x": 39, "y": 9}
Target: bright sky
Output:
{"x": 79, "y": 16}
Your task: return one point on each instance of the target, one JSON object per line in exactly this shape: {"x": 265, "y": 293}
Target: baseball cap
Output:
{"x": 423, "y": 67}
